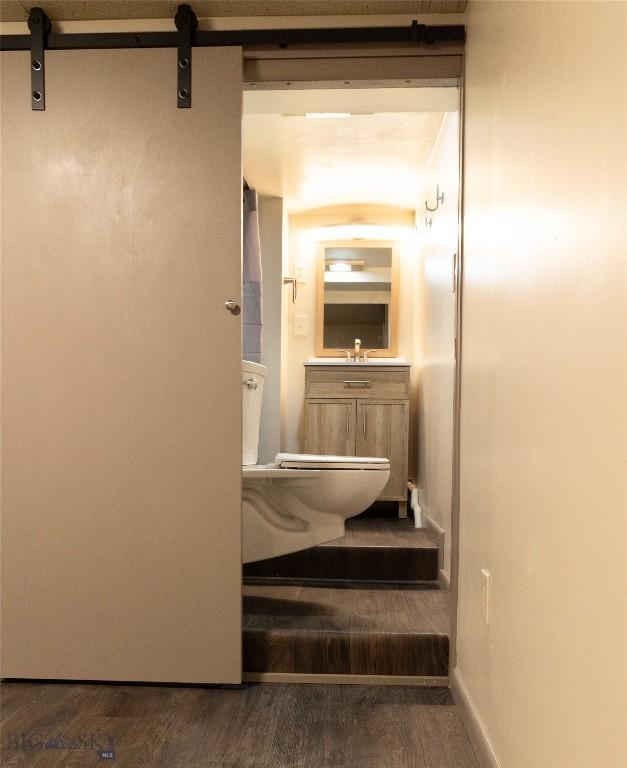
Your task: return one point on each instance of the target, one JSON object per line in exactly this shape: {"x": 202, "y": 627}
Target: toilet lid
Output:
{"x": 313, "y": 461}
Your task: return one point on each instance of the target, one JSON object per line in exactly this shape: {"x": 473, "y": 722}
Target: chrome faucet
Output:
{"x": 348, "y": 355}
{"x": 356, "y": 350}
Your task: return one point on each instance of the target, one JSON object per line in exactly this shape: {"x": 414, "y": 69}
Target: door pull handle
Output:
{"x": 232, "y": 306}
{"x": 292, "y": 280}
{"x": 357, "y": 383}
{"x": 364, "y": 422}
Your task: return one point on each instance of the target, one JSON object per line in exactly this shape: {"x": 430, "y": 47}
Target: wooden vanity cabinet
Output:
{"x": 361, "y": 411}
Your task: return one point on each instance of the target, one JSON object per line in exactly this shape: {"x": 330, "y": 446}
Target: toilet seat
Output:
{"x": 310, "y": 461}
{"x": 300, "y": 500}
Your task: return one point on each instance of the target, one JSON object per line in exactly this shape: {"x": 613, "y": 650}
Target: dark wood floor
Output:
{"x": 258, "y": 726}
{"x": 345, "y": 631}
{"x": 373, "y": 549}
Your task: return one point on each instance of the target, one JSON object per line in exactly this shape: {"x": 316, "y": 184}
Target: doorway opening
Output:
{"x": 357, "y": 199}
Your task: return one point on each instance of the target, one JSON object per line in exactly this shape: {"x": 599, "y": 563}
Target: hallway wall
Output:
{"x": 435, "y": 332}
{"x": 543, "y": 498}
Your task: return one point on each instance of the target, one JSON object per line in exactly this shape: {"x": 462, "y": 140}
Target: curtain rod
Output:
{"x": 283, "y": 38}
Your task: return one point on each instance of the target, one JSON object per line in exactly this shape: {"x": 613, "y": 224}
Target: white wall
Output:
{"x": 302, "y": 257}
{"x": 435, "y": 332}
{"x": 543, "y": 498}
{"x": 270, "y": 213}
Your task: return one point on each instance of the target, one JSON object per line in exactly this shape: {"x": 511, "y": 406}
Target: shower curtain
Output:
{"x": 252, "y": 296}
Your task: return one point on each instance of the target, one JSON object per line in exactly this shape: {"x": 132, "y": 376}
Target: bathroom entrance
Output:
{"x": 124, "y": 409}
{"x": 353, "y": 194}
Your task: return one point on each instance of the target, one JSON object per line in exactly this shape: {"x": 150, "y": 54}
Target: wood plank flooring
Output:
{"x": 345, "y": 631}
{"x": 373, "y": 549}
{"x": 257, "y": 726}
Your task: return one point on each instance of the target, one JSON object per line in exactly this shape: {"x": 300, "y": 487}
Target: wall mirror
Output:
{"x": 357, "y": 298}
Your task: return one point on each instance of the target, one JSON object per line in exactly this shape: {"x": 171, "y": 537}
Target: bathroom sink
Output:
{"x": 342, "y": 361}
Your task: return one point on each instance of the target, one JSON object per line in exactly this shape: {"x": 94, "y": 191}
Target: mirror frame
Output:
{"x": 390, "y": 351}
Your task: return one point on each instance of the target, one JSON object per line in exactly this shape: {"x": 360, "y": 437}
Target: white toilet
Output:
{"x": 300, "y": 500}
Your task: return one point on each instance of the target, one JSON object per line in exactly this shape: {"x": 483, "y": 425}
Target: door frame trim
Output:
{"x": 393, "y": 68}
{"x": 420, "y": 681}
{"x": 457, "y": 390}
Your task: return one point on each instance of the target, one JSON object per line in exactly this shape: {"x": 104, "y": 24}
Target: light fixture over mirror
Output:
{"x": 347, "y": 265}
{"x": 357, "y": 298}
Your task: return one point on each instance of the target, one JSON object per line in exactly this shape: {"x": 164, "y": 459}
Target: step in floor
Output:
{"x": 373, "y": 549}
{"x": 355, "y": 631}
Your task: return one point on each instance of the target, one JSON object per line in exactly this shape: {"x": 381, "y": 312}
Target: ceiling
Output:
{"x": 17, "y": 10}
{"x": 376, "y": 156}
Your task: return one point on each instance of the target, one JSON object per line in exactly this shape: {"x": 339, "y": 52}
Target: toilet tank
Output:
{"x": 253, "y": 377}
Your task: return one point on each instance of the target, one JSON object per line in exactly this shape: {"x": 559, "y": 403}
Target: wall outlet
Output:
{"x": 485, "y": 595}
{"x": 300, "y": 325}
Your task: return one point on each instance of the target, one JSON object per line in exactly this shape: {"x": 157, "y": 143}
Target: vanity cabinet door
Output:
{"x": 382, "y": 429}
{"x": 330, "y": 427}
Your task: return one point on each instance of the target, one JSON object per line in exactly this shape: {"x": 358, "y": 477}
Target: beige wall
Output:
{"x": 121, "y": 369}
{"x": 543, "y": 501}
{"x": 302, "y": 254}
{"x": 435, "y": 332}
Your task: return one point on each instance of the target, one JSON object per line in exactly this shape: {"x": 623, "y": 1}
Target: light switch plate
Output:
{"x": 299, "y": 273}
{"x": 300, "y": 325}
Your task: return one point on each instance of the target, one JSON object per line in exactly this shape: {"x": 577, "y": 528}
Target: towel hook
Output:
{"x": 439, "y": 198}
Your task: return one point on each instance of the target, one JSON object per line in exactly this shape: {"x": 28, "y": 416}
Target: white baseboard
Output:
{"x": 434, "y": 529}
{"x": 474, "y": 727}
{"x": 437, "y": 534}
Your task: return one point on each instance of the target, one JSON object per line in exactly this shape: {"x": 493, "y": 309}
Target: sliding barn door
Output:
{"x": 121, "y": 391}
